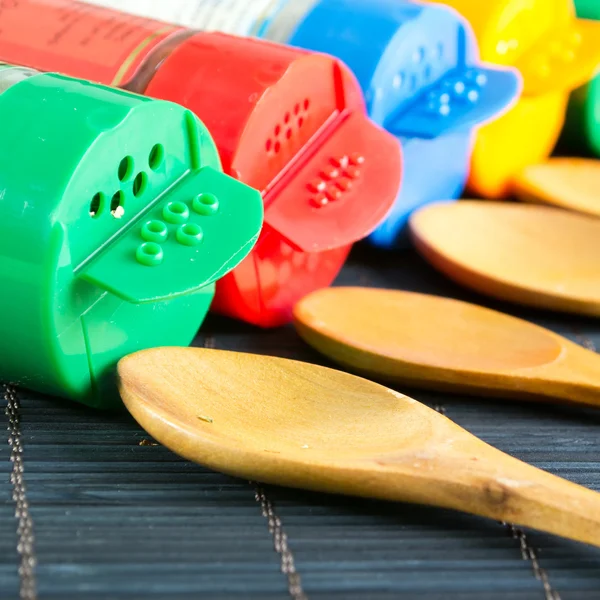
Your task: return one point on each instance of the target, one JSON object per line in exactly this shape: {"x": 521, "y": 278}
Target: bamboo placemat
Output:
{"x": 106, "y": 514}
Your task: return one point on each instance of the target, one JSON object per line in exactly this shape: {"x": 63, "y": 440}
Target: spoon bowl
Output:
{"x": 300, "y": 425}
{"x": 443, "y": 344}
{"x": 529, "y": 254}
{"x": 571, "y": 183}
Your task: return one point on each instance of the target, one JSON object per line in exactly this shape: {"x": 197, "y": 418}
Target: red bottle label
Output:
{"x": 77, "y": 39}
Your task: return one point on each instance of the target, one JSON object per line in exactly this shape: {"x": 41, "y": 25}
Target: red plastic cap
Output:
{"x": 293, "y": 125}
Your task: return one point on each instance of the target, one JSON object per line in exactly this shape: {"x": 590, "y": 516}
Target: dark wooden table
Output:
{"x": 115, "y": 517}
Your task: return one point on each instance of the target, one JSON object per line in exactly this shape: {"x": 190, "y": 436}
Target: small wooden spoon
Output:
{"x": 443, "y": 344}
{"x": 535, "y": 255}
{"x": 572, "y": 183}
{"x": 300, "y": 425}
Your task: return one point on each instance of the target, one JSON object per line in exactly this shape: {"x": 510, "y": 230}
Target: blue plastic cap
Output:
{"x": 418, "y": 66}
{"x": 361, "y": 34}
{"x": 447, "y": 157}
{"x": 416, "y": 63}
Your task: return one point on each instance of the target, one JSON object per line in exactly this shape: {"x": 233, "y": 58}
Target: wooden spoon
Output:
{"x": 572, "y": 183}
{"x": 300, "y": 425}
{"x": 444, "y": 344}
{"x": 535, "y": 255}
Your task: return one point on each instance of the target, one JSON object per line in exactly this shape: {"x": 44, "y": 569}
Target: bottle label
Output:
{"x": 77, "y": 39}
{"x": 237, "y": 17}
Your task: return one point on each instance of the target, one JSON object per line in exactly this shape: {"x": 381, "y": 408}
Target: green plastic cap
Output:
{"x": 581, "y": 133}
{"x": 588, "y": 9}
{"x": 115, "y": 221}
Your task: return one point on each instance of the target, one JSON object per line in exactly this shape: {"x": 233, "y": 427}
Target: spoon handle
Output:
{"x": 543, "y": 501}
{"x": 482, "y": 480}
{"x": 574, "y": 377}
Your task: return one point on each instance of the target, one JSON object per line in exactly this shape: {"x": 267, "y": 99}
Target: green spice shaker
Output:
{"x": 581, "y": 134}
{"x": 115, "y": 222}
{"x": 588, "y": 9}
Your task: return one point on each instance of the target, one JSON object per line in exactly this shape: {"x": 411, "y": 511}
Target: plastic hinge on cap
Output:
{"x": 196, "y": 233}
{"x": 563, "y": 59}
{"x": 334, "y": 200}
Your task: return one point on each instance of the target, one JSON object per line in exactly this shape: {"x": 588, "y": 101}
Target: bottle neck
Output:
{"x": 154, "y": 60}
{"x": 10, "y": 76}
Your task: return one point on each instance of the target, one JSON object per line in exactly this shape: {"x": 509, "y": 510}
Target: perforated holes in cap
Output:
{"x": 125, "y": 169}
{"x": 140, "y": 184}
{"x": 117, "y": 205}
{"x": 97, "y": 205}
{"x": 157, "y": 157}
{"x": 418, "y": 55}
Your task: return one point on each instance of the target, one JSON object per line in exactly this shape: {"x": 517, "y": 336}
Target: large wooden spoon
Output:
{"x": 443, "y": 344}
{"x": 300, "y": 425}
{"x": 535, "y": 255}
